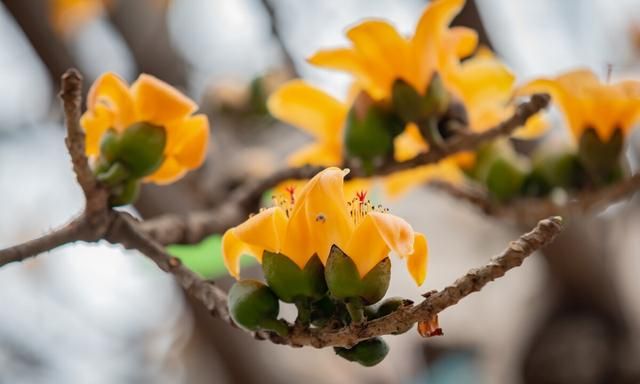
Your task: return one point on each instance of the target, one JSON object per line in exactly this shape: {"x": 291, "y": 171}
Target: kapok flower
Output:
{"x": 588, "y": 103}
{"x": 112, "y": 105}
{"x": 311, "y": 221}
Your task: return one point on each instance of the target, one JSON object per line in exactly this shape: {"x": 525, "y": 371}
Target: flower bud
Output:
{"x": 558, "y": 170}
{"x": 254, "y": 306}
{"x": 289, "y": 282}
{"x": 602, "y": 160}
{"x": 141, "y": 148}
{"x": 505, "y": 178}
{"x": 124, "y": 193}
{"x": 344, "y": 281}
{"x": 109, "y": 146}
{"x": 367, "y": 353}
{"x": 370, "y": 130}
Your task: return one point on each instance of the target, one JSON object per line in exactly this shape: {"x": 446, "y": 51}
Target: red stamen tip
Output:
{"x": 362, "y": 196}
{"x": 291, "y": 191}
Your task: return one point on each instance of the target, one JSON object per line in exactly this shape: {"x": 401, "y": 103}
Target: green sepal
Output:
{"x": 125, "y": 193}
{"x": 141, "y": 148}
{"x": 344, "y": 282}
{"x": 370, "y": 129}
{"x": 114, "y": 175}
{"x": 253, "y": 306}
{"x": 602, "y": 160}
{"x": 412, "y": 106}
{"x": 367, "y": 352}
{"x": 289, "y": 282}
{"x": 322, "y": 311}
{"x": 110, "y": 145}
{"x": 505, "y": 178}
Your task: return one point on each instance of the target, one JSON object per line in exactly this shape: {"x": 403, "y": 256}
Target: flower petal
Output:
{"x": 265, "y": 230}
{"x": 159, "y": 103}
{"x": 187, "y": 141}
{"x": 232, "y": 249}
{"x": 95, "y": 123}
{"x": 464, "y": 41}
{"x": 111, "y": 91}
{"x": 348, "y": 60}
{"x": 319, "y": 218}
{"x": 169, "y": 171}
{"x": 308, "y": 108}
{"x": 417, "y": 261}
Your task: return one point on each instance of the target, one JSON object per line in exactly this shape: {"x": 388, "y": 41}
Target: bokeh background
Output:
{"x": 99, "y": 314}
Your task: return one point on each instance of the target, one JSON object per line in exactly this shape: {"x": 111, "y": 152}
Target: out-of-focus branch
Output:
{"x": 528, "y": 210}
{"x": 33, "y": 18}
{"x": 192, "y": 228}
{"x": 277, "y": 35}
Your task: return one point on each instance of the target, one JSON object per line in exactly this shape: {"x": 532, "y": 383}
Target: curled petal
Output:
{"x": 169, "y": 171}
{"x": 112, "y": 92}
{"x": 323, "y": 153}
{"x": 232, "y": 249}
{"x": 464, "y": 41}
{"x": 159, "y": 103}
{"x": 417, "y": 261}
{"x": 265, "y": 230}
{"x": 319, "y": 218}
{"x": 188, "y": 141}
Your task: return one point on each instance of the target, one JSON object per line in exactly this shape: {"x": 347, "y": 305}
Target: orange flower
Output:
{"x": 588, "y": 103}
{"x": 311, "y": 221}
{"x": 111, "y": 104}
{"x": 68, "y": 15}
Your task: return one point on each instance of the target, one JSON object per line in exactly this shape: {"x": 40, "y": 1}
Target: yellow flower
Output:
{"x": 380, "y": 55}
{"x": 309, "y": 222}
{"x": 588, "y": 103}
{"x": 111, "y": 104}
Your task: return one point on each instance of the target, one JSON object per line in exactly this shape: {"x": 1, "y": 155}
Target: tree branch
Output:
{"x": 529, "y": 210}
{"x": 170, "y": 229}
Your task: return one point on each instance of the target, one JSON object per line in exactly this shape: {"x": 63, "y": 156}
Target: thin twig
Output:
{"x": 529, "y": 210}
{"x": 277, "y": 35}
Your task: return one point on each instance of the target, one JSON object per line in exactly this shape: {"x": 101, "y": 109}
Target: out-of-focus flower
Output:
{"x": 68, "y": 15}
{"x": 587, "y": 103}
{"x": 115, "y": 108}
{"x": 315, "y": 219}
{"x": 380, "y": 55}
{"x": 324, "y": 117}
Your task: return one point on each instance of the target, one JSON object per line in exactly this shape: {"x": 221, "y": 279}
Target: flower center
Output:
{"x": 359, "y": 207}
{"x": 285, "y": 200}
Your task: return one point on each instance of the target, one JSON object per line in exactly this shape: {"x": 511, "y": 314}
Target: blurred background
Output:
{"x": 99, "y": 314}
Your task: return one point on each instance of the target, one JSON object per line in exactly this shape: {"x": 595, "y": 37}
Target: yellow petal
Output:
{"x": 159, "y": 103}
{"x": 308, "y": 108}
{"x": 265, "y": 230}
{"x": 187, "y": 141}
{"x": 374, "y": 236}
{"x": 417, "y": 261}
{"x": 402, "y": 182}
{"x": 429, "y": 39}
{"x": 348, "y": 60}
{"x": 232, "y": 249}
{"x": 169, "y": 171}
{"x": 111, "y": 91}
{"x": 323, "y": 153}
{"x": 95, "y": 123}
{"x": 484, "y": 80}
{"x": 464, "y": 41}
{"x": 409, "y": 143}
{"x": 535, "y": 127}
{"x": 319, "y": 218}
{"x": 382, "y": 48}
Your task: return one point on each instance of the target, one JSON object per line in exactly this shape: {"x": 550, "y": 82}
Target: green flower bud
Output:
{"x": 602, "y": 160}
{"x": 367, "y": 353}
{"x": 344, "y": 282}
{"x": 110, "y": 145}
{"x": 141, "y": 148}
{"x": 387, "y": 307}
{"x": 505, "y": 178}
{"x": 558, "y": 170}
{"x": 370, "y": 130}
{"x": 254, "y": 306}
{"x": 289, "y": 282}
{"x": 125, "y": 193}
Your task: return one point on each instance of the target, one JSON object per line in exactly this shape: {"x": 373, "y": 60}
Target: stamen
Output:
{"x": 285, "y": 201}
{"x": 359, "y": 207}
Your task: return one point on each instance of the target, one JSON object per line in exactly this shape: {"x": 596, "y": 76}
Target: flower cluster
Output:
{"x": 144, "y": 132}
{"x": 325, "y": 253}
